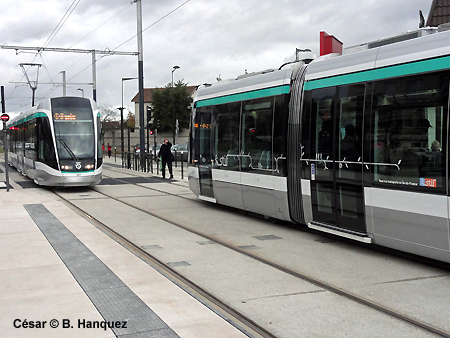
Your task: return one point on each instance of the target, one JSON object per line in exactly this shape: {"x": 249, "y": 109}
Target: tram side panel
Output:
{"x": 405, "y": 146}
{"x": 408, "y": 193}
{"x": 373, "y": 150}
{"x": 246, "y": 155}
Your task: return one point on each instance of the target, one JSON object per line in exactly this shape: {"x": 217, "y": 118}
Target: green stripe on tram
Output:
{"x": 28, "y": 118}
{"x": 255, "y": 94}
{"x": 381, "y": 73}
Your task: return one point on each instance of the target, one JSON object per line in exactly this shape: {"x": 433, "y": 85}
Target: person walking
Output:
{"x": 166, "y": 157}
{"x": 109, "y": 150}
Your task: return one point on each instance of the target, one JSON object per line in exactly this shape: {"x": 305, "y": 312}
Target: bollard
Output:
{"x": 182, "y": 166}
{"x": 115, "y": 154}
{"x": 175, "y": 158}
{"x": 151, "y": 163}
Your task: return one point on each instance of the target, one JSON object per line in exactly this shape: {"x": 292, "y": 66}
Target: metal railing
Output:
{"x": 132, "y": 161}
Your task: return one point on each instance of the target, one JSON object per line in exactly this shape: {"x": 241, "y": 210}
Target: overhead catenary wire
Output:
{"x": 122, "y": 8}
{"x": 134, "y": 36}
{"x": 64, "y": 19}
{"x": 62, "y": 22}
{"x": 50, "y": 38}
{"x": 154, "y": 23}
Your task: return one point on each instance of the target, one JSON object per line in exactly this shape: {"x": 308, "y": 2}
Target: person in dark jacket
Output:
{"x": 166, "y": 157}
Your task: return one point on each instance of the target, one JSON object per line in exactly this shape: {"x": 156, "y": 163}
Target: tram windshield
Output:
{"x": 74, "y": 128}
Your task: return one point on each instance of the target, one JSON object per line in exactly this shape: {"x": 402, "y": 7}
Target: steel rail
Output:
{"x": 231, "y": 315}
{"x": 322, "y": 284}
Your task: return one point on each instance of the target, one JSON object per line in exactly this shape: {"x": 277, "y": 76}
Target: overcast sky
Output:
{"x": 205, "y": 38}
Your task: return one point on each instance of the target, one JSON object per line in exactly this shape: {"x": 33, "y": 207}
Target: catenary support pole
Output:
{"x": 141, "y": 84}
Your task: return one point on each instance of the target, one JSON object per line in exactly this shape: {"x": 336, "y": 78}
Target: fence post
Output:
{"x": 182, "y": 166}
{"x": 151, "y": 163}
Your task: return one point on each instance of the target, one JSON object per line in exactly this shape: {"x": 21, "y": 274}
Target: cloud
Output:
{"x": 204, "y": 37}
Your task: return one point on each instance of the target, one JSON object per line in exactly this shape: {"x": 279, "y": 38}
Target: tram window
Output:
{"x": 12, "y": 140}
{"x": 226, "y": 135}
{"x": 201, "y": 150}
{"x": 30, "y": 139}
{"x": 99, "y": 142}
{"x": 257, "y": 120}
{"x": 74, "y": 126}
{"x": 409, "y": 132}
{"x": 46, "y": 150}
{"x": 280, "y": 124}
{"x": 20, "y": 138}
{"x": 306, "y": 133}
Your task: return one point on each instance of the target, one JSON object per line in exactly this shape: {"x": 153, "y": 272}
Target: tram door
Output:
{"x": 203, "y": 122}
{"x": 336, "y": 172}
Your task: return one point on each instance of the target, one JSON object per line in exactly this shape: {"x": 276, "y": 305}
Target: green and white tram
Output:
{"x": 354, "y": 144}
{"x": 57, "y": 142}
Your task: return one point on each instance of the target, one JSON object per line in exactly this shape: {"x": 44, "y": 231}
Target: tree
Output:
{"x": 109, "y": 120}
{"x": 130, "y": 120}
{"x": 162, "y": 106}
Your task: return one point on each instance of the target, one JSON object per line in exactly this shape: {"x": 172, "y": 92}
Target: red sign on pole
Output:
{"x": 4, "y": 117}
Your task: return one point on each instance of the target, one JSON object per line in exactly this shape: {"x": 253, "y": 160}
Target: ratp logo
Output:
{"x": 78, "y": 165}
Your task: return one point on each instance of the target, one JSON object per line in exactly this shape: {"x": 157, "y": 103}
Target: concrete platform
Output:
{"x": 47, "y": 291}
{"x": 150, "y": 214}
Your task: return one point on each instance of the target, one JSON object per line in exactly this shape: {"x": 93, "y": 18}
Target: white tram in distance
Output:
{"x": 355, "y": 145}
{"x": 57, "y": 142}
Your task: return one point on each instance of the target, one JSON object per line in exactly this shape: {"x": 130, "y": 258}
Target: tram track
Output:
{"x": 237, "y": 319}
{"x": 218, "y": 303}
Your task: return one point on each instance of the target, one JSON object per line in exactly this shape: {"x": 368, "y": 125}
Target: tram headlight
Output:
{"x": 89, "y": 166}
{"x": 66, "y": 167}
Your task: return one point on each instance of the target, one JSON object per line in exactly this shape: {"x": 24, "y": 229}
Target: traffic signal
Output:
{"x": 149, "y": 114}
{"x": 151, "y": 132}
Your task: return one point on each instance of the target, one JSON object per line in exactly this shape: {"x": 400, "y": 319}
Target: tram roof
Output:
{"x": 428, "y": 45}
{"x": 250, "y": 86}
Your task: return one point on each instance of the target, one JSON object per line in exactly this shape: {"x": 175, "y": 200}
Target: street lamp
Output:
{"x": 173, "y": 104}
{"x": 82, "y": 91}
{"x": 121, "y": 114}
